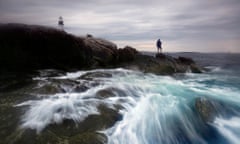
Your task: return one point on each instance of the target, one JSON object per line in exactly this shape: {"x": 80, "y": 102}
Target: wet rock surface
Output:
{"x": 127, "y": 54}
{"x": 162, "y": 64}
{"x": 46, "y": 86}
{"x": 209, "y": 109}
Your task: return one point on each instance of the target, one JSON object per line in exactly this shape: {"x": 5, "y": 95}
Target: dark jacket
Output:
{"x": 159, "y": 44}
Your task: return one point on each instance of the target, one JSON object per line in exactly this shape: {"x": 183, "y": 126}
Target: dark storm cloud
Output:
{"x": 133, "y": 19}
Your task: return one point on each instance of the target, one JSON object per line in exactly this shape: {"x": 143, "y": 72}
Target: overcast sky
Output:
{"x": 182, "y": 25}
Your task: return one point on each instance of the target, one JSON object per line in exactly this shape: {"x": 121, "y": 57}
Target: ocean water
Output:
{"x": 165, "y": 114}
{"x": 154, "y": 109}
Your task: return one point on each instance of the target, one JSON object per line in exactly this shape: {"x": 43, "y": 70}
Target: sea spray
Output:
{"x": 76, "y": 106}
{"x": 229, "y": 128}
{"x": 155, "y": 109}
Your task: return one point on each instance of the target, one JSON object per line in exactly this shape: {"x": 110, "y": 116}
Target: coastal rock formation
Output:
{"x": 103, "y": 52}
{"x": 47, "y": 85}
{"x": 185, "y": 60}
{"x": 24, "y": 47}
{"x": 206, "y": 109}
{"x": 127, "y": 54}
{"x": 209, "y": 109}
{"x": 161, "y": 64}
{"x": 30, "y": 47}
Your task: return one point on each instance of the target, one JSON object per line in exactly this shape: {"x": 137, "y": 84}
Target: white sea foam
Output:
{"x": 57, "y": 108}
{"x": 76, "y": 106}
{"x": 229, "y": 128}
{"x": 71, "y": 75}
{"x": 155, "y": 108}
{"x": 214, "y": 68}
{"x": 151, "y": 120}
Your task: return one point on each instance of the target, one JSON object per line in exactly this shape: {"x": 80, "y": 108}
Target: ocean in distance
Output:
{"x": 119, "y": 106}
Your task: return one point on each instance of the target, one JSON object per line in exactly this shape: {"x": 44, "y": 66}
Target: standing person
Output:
{"x": 159, "y": 46}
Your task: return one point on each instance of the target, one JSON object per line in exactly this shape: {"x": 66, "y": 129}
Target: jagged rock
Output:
{"x": 162, "y": 64}
{"x": 110, "y": 92}
{"x": 24, "y": 47}
{"x": 89, "y": 36}
{"x": 127, "y": 54}
{"x": 209, "y": 109}
{"x": 92, "y": 75}
{"x": 206, "y": 109}
{"x": 160, "y": 56}
{"x": 102, "y": 51}
{"x": 53, "y": 86}
{"x": 195, "y": 68}
{"x": 28, "y": 47}
{"x": 185, "y": 60}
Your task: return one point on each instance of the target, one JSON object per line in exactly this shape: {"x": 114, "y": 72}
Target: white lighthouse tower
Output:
{"x": 60, "y": 23}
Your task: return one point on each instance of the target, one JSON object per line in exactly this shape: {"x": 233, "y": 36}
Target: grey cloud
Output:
{"x": 133, "y": 19}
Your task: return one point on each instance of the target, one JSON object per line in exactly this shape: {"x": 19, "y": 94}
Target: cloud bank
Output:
{"x": 186, "y": 25}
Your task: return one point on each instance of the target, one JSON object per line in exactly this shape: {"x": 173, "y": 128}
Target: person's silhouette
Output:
{"x": 159, "y": 46}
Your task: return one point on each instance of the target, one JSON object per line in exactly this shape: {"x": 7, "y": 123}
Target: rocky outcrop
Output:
{"x": 103, "y": 52}
{"x": 206, "y": 108}
{"x": 68, "y": 131}
{"x": 209, "y": 109}
{"x": 24, "y": 47}
{"x": 127, "y": 54}
{"x": 28, "y": 47}
{"x": 161, "y": 64}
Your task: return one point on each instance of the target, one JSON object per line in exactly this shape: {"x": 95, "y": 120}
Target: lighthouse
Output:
{"x": 60, "y": 23}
